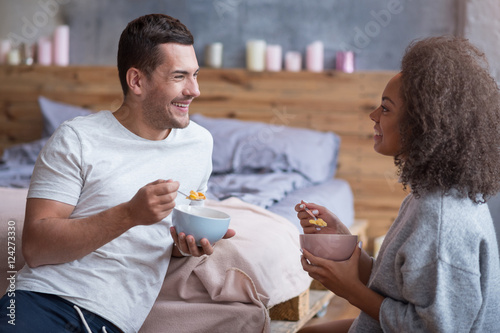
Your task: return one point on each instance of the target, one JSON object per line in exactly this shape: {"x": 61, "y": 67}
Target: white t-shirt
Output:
{"x": 95, "y": 163}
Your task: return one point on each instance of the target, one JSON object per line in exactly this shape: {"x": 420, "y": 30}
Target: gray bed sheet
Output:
{"x": 261, "y": 189}
{"x": 17, "y": 163}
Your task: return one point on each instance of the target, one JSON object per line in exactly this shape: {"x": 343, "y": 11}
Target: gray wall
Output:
{"x": 358, "y": 25}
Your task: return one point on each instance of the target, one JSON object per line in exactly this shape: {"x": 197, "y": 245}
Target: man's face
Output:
{"x": 171, "y": 88}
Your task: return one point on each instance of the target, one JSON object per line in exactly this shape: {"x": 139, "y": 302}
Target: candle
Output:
{"x": 44, "y": 54}
{"x": 293, "y": 61}
{"x": 61, "y": 46}
{"x": 4, "y": 50}
{"x": 273, "y": 58}
{"x": 213, "y": 55}
{"x": 344, "y": 61}
{"x": 14, "y": 57}
{"x": 256, "y": 55}
{"x": 314, "y": 57}
{"x": 27, "y": 54}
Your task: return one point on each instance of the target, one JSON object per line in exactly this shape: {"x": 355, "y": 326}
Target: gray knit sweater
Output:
{"x": 438, "y": 268}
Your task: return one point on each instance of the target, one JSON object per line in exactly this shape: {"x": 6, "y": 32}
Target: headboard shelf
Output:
{"x": 328, "y": 101}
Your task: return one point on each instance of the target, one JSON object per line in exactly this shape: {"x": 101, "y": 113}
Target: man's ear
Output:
{"x": 135, "y": 81}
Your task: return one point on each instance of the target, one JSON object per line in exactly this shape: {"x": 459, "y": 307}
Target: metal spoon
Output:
{"x": 312, "y": 215}
{"x": 187, "y": 196}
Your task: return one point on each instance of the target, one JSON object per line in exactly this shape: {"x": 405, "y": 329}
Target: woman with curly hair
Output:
{"x": 438, "y": 269}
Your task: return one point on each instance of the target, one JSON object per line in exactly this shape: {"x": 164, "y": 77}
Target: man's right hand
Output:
{"x": 153, "y": 202}
{"x": 51, "y": 237}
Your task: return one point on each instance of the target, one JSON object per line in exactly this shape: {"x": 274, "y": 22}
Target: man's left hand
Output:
{"x": 186, "y": 245}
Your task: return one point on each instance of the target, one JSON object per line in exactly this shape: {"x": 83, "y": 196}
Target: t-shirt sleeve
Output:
{"x": 432, "y": 301}
{"x": 58, "y": 170}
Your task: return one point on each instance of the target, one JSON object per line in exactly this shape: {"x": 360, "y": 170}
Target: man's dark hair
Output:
{"x": 140, "y": 40}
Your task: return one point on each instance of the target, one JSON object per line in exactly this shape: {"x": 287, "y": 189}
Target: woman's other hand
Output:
{"x": 341, "y": 277}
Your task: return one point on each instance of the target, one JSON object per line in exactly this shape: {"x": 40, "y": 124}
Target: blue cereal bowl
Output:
{"x": 200, "y": 222}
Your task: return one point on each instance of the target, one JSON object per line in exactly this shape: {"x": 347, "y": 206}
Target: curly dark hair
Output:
{"x": 450, "y": 127}
{"x": 138, "y": 45}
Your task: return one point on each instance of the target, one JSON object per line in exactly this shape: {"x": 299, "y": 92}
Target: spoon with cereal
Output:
{"x": 319, "y": 222}
{"x": 194, "y": 196}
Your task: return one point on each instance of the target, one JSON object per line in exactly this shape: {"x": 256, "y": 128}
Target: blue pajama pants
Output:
{"x": 45, "y": 313}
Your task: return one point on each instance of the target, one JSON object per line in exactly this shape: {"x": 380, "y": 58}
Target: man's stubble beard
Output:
{"x": 160, "y": 117}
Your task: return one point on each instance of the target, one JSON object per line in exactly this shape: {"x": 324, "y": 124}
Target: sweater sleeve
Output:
{"x": 438, "y": 298}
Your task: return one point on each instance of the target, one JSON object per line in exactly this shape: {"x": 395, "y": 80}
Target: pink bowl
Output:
{"x": 329, "y": 246}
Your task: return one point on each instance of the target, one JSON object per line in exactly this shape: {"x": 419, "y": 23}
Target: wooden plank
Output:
{"x": 294, "y": 309}
{"x": 317, "y": 300}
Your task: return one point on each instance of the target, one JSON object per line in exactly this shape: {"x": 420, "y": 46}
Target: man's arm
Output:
{"x": 51, "y": 237}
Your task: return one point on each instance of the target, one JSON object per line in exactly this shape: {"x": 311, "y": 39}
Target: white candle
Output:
{"x": 4, "y": 50}
{"x": 213, "y": 55}
{"x": 61, "y": 46}
{"x": 14, "y": 57}
{"x": 273, "y": 58}
{"x": 256, "y": 55}
{"x": 44, "y": 52}
{"x": 315, "y": 57}
{"x": 293, "y": 61}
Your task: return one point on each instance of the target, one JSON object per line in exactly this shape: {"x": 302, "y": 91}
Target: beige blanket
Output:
{"x": 231, "y": 290}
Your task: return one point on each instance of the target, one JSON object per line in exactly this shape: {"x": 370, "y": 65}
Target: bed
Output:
{"x": 273, "y": 167}
{"x": 260, "y": 172}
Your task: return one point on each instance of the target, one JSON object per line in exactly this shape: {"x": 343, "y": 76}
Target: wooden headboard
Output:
{"x": 329, "y": 101}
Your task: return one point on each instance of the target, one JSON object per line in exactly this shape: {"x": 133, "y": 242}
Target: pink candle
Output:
{"x": 4, "y": 50}
{"x": 344, "y": 61}
{"x": 44, "y": 54}
{"x": 315, "y": 56}
{"x": 273, "y": 58}
{"x": 61, "y": 46}
{"x": 293, "y": 61}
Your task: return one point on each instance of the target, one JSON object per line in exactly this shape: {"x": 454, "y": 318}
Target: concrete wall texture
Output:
{"x": 377, "y": 31}
{"x": 482, "y": 26}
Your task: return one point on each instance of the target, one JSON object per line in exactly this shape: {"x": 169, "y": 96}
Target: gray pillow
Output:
{"x": 17, "y": 162}
{"x": 246, "y": 147}
{"x": 55, "y": 113}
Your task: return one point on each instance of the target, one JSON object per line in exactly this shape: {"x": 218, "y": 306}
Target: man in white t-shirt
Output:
{"x": 98, "y": 235}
